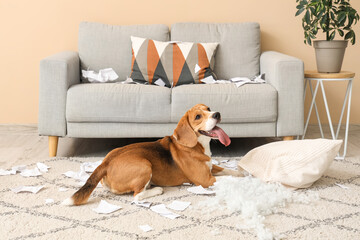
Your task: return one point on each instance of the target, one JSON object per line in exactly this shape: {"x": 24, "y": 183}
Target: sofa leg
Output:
{"x": 53, "y": 144}
{"x": 288, "y": 138}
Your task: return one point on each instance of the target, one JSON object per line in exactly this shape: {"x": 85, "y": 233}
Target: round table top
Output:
{"x": 316, "y": 74}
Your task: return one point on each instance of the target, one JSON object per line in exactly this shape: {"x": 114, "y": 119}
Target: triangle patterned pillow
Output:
{"x": 174, "y": 63}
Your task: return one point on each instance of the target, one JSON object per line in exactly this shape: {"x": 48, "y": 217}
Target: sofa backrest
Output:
{"x": 238, "y": 54}
{"x": 108, "y": 46}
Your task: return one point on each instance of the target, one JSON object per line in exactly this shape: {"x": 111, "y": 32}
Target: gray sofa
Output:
{"x": 68, "y": 107}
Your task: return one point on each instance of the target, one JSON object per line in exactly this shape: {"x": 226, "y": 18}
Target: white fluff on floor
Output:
{"x": 254, "y": 199}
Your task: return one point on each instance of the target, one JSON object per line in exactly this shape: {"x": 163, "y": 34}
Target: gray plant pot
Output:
{"x": 329, "y": 55}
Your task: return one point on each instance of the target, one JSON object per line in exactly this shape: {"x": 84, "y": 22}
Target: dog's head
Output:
{"x": 199, "y": 120}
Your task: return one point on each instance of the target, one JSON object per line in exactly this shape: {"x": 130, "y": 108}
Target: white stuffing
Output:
{"x": 254, "y": 199}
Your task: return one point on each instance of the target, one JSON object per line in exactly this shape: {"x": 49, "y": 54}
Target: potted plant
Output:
{"x": 331, "y": 17}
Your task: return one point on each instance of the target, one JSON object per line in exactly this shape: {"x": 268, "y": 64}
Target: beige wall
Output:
{"x": 32, "y": 30}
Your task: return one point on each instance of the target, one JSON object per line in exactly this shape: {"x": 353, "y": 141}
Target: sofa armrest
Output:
{"x": 286, "y": 74}
{"x": 57, "y": 73}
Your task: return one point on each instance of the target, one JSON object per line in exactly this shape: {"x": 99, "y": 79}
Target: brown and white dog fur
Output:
{"x": 173, "y": 160}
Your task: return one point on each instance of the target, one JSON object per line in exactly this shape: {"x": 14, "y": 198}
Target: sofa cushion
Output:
{"x": 109, "y": 46}
{"x": 116, "y": 102}
{"x": 247, "y": 104}
{"x": 238, "y": 54}
{"x": 175, "y": 63}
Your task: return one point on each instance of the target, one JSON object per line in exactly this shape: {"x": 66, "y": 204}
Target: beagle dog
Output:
{"x": 173, "y": 160}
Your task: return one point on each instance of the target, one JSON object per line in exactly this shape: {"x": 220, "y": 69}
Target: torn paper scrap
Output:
{"x": 30, "y": 172}
{"x": 163, "y": 211}
{"x": 178, "y": 205}
{"x": 145, "y": 228}
{"x": 90, "y": 166}
{"x": 18, "y": 168}
{"x": 197, "y": 68}
{"x": 49, "y": 200}
{"x": 105, "y": 208}
{"x": 224, "y": 161}
{"x": 6, "y": 172}
{"x": 160, "y": 82}
{"x": 63, "y": 189}
{"x": 231, "y": 164}
{"x": 81, "y": 175}
{"x": 186, "y": 184}
{"x": 104, "y": 75}
{"x": 142, "y": 203}
{"x": 213, "y": 161}
{"x": 199, "y": 190}
{"x": 33, "y": 189}
{"x": 342, "y": 186}
{"x": 42, "y": 167}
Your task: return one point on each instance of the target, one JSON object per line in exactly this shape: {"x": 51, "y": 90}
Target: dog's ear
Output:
{"x": 184, "y": 133}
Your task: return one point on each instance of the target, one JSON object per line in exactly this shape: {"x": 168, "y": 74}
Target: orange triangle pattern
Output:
{"x": 202, "y": 61}
{"x": 152, "y": 60}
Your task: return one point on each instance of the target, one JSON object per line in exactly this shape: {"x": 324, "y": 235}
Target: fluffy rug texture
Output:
{"x": 270, "y": 211}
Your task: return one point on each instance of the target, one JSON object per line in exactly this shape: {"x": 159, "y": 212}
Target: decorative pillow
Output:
{"x": 175, "y": 63}
{"x": 297, "y": 163}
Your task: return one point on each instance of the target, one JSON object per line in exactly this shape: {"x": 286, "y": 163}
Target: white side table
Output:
{"x": 320, "y": 78}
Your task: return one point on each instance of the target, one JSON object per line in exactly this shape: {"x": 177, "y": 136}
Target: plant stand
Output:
{"x": 320, "y": 78}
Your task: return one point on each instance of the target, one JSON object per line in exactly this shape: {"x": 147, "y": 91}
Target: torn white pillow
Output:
{"x": 297, "y": 163}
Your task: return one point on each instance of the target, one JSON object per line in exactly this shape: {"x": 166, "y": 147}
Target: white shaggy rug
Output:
{"x": 335, "y": 215}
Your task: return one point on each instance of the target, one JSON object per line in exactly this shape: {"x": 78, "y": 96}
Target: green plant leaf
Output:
{"x": 308, "y": 40}
{"x": 349, "y": 35}
{"x": 307, "y": 17}
{"x": 341, "y": 32}
{"x": 332, "y": 35}
{"x": 299, "y": 12}
{"x": 353, "y": 40}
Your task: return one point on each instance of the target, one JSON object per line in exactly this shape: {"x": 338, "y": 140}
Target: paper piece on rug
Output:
{"x": 213, "y": 161}
{"x": 342, "y": 186}
{"x": 30, "y": 172}
{"x": 142, "y": 203}
{"x": 90, "y": 166}
{"x": 33, "y": 189}
{"x": 199, "y": 190}
{"x": 145, "y": 228}
{"x": 7, "y": 172}
{"x": 231, "y": 164}
{"x": 81, "y": 175}
{"x": 63, "y": 189}
{"x": 105, "y": 208}
{"x": 187, "y": 184}
{"x": 42, "y": 167}
{"x": 178, "y": 205}
{"x": 18, "y": 168}
{"x": 49, "y": 200}
{"x": 163, "y": 211}
{"x": 224, "y": 161}
{"x": 104, "y": 75}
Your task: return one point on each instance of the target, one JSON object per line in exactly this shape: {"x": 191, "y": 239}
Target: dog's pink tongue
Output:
{"x": 223, "y": 137}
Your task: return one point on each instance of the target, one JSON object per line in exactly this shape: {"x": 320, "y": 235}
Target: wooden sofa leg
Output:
{"x": 288, "y": 138}
{"x": 53, "y": 144}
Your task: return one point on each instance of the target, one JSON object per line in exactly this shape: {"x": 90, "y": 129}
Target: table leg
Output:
{"x": 311, "y": 106}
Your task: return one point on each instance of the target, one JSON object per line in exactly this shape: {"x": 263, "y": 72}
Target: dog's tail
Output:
{"x": 83, "y": 194}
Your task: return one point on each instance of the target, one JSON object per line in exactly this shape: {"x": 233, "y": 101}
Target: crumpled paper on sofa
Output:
{"x": 238, "y": 81}
{"x": 104, "y": 75}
